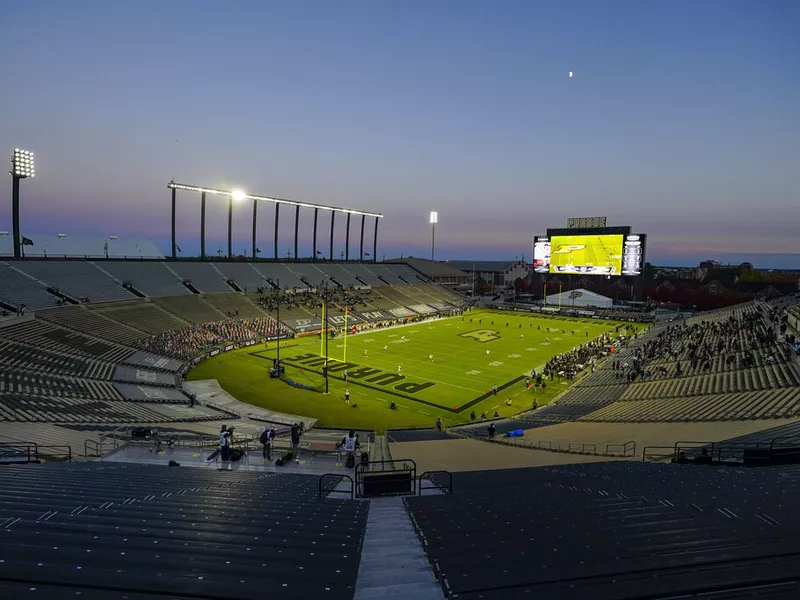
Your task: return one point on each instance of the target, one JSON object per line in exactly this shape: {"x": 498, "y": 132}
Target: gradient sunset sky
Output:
{"x": 682, "y": 119}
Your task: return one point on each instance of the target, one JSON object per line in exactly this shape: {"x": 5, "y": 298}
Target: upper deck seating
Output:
{"x": 17, "y": 289}
{"x": 203, "y": 276}
{"x": 150, "y": 278}
{"x": 77, "y": 279}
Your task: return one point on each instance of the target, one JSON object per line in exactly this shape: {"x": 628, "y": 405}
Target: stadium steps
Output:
{"x": 393, "y": 564}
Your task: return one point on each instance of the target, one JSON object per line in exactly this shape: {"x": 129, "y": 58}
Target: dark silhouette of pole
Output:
{"x": 202, "y": 225}
{"x": 278, "y": 317}
{"x": 314, "y": 255}
{"x": 361, "y": 244}
{"x": 333, "y": 216}
{"x": 255, "y": 215}
{"x": 296, "y": 223}
{"x": 174, "y": 244}
{"x": 375, "y": 242}
{"x": 326, "y": 332}
{"x": 230, "y": 226}
{"x": 347, "y": 239}
{"x": 277, "y": 212}
{"x": 15, "y": 218}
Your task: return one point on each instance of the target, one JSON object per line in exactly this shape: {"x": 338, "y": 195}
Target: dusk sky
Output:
{"x": 682, "y": 119}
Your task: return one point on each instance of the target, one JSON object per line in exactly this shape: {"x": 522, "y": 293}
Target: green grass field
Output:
{"x": 451, "y": 385}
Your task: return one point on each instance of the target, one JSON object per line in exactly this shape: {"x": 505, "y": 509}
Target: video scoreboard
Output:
{"x": 609, "y": 251}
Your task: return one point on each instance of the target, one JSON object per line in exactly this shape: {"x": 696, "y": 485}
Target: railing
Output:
{"x": 429, "y": 475}
{"x": 658, "y": 453}
{"x": 582, "y": 448}
{"x": 323, "y": 491}
{"x": 628, "y": 448}
{"x": 28, "y": 453}
{"x": 407, "y": 465}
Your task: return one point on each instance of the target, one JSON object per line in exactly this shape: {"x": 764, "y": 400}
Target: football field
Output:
{"x": 442, "y": 368}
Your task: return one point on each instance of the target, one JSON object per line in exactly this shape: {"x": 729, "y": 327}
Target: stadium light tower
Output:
{"x": 434, "y": 221}
{"x": 236, "y": 196}
{"x": 21, "y": 168}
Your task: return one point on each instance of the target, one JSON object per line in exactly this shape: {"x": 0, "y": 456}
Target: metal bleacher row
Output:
{"x": 131, "y": 531}
{"x": 615, "y": 531}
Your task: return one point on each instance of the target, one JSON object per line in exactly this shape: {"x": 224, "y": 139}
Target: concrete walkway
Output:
{"x": 210, "y": 393}
{"x": 393, "y": 564}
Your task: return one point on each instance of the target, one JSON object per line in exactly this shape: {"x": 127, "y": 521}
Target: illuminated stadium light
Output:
{"x": 433, "y": 220}
{"x": 22, "y": 164}
{"x": 22, "y": 167}
{"x": 216, "y": 192}
{"x": 238, "y": 195}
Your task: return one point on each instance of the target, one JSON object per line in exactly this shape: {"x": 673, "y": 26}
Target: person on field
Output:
{"x": 347, "y": 396}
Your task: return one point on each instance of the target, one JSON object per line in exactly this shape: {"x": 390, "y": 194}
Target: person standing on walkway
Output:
{"x": 296, "y": 442}
{"x": 225, "y": 445}
{"x": 438, "y": 423}
{"x": 266, "y": 442}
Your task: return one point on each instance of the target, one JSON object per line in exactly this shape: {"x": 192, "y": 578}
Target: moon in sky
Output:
{"x": 570, "y": 74}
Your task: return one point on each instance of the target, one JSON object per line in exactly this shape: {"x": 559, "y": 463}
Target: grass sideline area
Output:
{"x": 457, "y": 380}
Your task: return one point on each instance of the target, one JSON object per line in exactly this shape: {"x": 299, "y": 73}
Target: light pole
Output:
{"x": 21, "y": 168}
{"x": 236, "y": 196}
{"x": 434, "y": 221}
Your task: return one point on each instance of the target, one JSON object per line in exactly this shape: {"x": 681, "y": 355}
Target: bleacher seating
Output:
{"x": 731, "y": 406}
{"x": 12, "y": 380}
{"x": 77, "y": 279}
{"x": 14, "y": 355}
{"x": 234, "y": 304}
{"x": 91, "y": 322}
{"x": 143, "y": 316}
{"x": 17, "y": 289}
{"x": 615, "y": 531}
{"x": 152, "y": 278}
{"x": 41, "y": 334}
{"x": 193, "y": 309}
{"x": 279, "y": 274}
{"x": 203, "y": 276}
{"x": 244, "y": 275}
{"x": 136, "y": 532}
{"x": 44, "y": 408}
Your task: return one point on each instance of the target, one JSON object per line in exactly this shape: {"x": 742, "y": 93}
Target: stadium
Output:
{"x": 257, "y": 388}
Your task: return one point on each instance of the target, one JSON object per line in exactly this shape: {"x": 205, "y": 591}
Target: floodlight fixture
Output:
{"x": 238, "y": 195}
{"x": 434, "y": 220}
{"x": 22, "y": 165}
{"x": 217, "y": 192}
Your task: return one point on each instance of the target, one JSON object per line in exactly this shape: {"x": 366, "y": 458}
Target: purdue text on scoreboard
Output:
{"x": 581, "y": 222}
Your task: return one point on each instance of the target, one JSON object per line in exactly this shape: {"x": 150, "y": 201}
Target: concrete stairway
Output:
{"x": 393, "y": 564}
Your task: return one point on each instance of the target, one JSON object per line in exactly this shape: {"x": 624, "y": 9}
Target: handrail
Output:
{"x": 37, "y": 453}
{"x": 629, "y": 446}
{"x": 427, "y": 474}
{"x": 581, "y": 448}
{"x": 670, "y": 455}
{"x": 334, "y": 490}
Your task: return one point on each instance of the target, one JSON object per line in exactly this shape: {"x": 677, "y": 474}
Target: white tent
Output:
{"x": 579, "y": 298}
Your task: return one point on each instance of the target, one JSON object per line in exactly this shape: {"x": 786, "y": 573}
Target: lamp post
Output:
{"x": 21, "y": 168}
{"x": 434, "y": 220}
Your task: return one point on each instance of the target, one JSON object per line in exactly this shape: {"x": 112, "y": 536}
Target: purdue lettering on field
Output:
{"x": 366, "y": 374}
